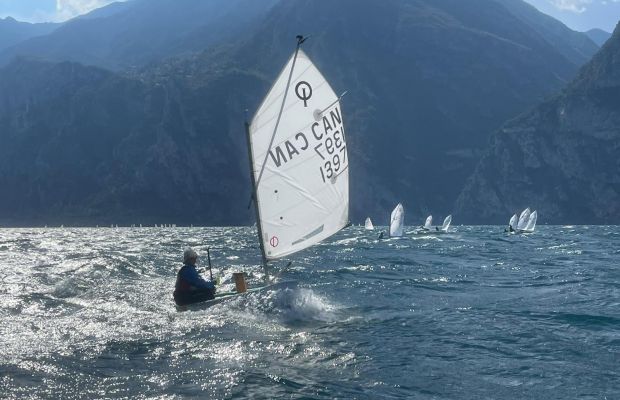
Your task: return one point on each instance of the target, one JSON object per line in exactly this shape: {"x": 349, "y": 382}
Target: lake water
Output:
{"x": 473, "y": 314}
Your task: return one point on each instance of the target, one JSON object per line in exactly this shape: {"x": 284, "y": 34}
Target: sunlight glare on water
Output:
{"x": 476, "y": 313}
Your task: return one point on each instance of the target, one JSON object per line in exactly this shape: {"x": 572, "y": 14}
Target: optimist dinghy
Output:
{"x": 299, "y": 166}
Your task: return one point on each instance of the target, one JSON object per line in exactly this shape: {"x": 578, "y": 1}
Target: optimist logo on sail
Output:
{"x": 303, "y": 90}
{"x": 274, "y": 241}
{"x": 324, "y": 136}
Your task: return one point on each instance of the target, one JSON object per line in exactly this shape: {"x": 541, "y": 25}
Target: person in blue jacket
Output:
{"x": 190, "y": 286}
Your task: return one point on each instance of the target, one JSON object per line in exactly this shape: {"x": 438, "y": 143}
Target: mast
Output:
{"x": 255, "y": 181}
{"x": 300, "y": 40}
{"x": 255, "y": 199}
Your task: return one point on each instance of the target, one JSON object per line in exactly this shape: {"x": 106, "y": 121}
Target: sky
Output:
{"x": 580, "y": 15}
{"x": 48, "y": 10}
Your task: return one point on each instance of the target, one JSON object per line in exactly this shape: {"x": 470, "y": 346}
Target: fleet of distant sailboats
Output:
{"x": 518, "y": 223}
{"x": 428, "y": 225}
{"x": 525, "y": 223}
{"x": 114, "y": 226}
{"x": 397, "y": 223}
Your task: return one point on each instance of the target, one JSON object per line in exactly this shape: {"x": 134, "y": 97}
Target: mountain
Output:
{"x": 575, "y": 46}
{"x": 139, "y": 32}
{"x": 560, "y": 158}
{"x": 109, "y": 10}
{"x": 598, "y": 36}
{"x": 427, "y": 82}
{"x": 131, "y": 153}
{"x": 13, "y": 32}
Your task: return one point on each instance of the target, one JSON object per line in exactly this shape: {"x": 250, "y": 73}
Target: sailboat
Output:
{"x": 368, "y": 224}
{"x": 523, "y": 219}
{"x": 446, "y": 223}
{"x": 397, "y": 221}
{"x": 512, "y": 224}
{"x": 531, "y": 223}
{"x": 298, "y": 164}
{"x": 428, "y": 224}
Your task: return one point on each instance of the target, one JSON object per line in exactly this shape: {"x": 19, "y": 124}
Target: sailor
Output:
{"x": 190, "y": 286}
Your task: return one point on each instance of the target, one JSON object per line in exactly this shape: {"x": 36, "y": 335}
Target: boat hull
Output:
{"x": 225, "y": 296}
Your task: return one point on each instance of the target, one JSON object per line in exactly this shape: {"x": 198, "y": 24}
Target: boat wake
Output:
{"x": 291, "y": 306}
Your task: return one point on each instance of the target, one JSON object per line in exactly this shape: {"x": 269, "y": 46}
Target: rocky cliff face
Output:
{"x": 83, "y": 145}
{"x": 428, "y": 80}
{"x": 562, "y": 157}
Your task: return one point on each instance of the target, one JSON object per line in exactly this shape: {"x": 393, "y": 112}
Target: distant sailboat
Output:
{"x": 397, "y": 221}
{"x": 428, "y": 224}
{"x": 531, "y": 225}
{"x": 446, "y": 223}
{"x": 512, "y": 224}
{"x": 368, "y": 224}
{"x": 523, "y": 219}
{"x": 513, "y": 221}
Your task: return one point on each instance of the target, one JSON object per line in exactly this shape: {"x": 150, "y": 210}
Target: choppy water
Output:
{"x": 88, "y": 313}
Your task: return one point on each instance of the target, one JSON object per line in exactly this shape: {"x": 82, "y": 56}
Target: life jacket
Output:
{"x": 182, "y": 285}
{"x": 186, "y": 290}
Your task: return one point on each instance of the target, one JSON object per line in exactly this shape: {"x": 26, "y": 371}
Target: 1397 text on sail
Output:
{"x": 328, "y": 133}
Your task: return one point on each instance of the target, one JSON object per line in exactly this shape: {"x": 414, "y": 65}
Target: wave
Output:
{"x": 290, "y": 306}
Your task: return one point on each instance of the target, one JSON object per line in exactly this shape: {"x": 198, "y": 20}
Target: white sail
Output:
{"x": 446, "y": 223}
{"x": 531, "y": 223}
{"x": 428, "y": 224}
{"x": 396, "y": 221}
{"x": 513, "y": 222}
{"x": 523, "y": 219}
{"x": 368, "y": 224}
{"x": 299, "y": 161}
